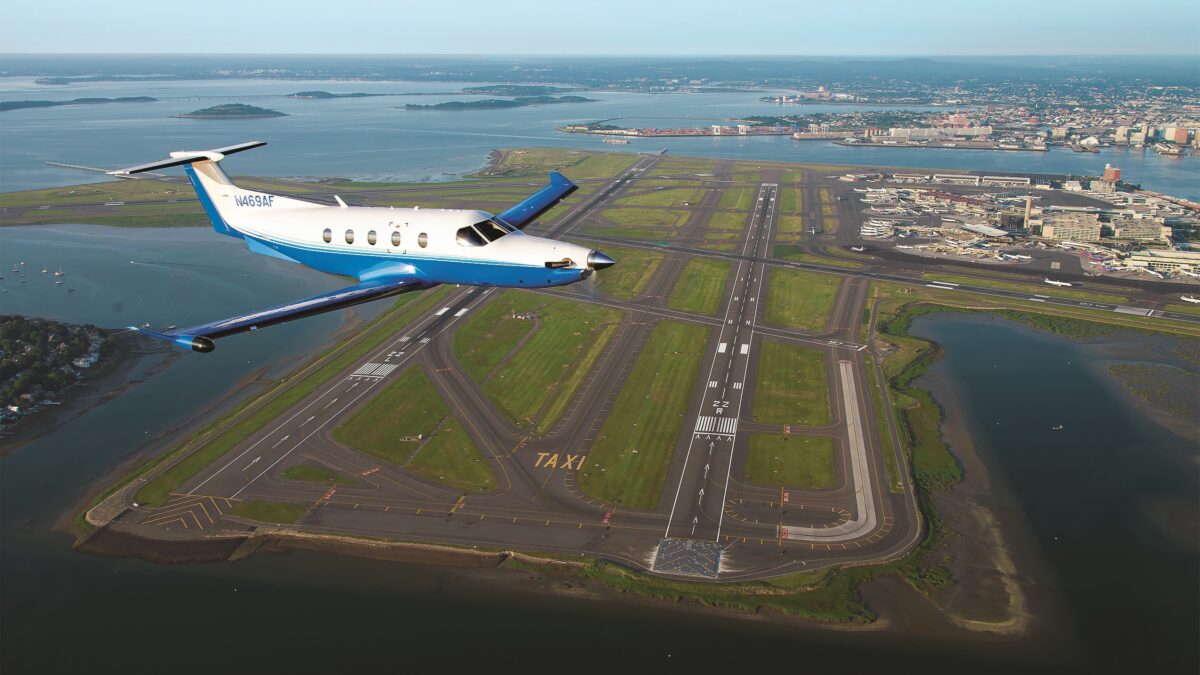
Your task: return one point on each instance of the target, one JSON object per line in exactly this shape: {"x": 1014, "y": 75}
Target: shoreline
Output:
{"x": 115, "y": 377}
{"x": 996, "y": 608}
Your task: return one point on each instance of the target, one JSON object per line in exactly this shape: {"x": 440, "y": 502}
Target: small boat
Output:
{"x": 58, "y": 282}
{"x": 70, "y": 290}
{"x": 59, "y": 273}
{"x": 1056, "y": 428}
{"x": 44, "y": 270}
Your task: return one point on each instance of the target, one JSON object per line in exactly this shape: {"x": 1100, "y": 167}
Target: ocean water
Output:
{"x": 307, "y": 611}
{"x": 375, "y": 139}
{"x": 1110, "y": 497}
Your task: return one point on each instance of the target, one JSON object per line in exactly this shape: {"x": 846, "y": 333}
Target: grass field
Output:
{"x": 683, "y": 166}
{"x": 791, "y": 226}
{"x": 891, "y": 464}
{"x": 674, "y": 196}
{"x": 738, "y": 198}
{"x": 1182, "y": 309}
{"x": 722, "y": 235}
{"x": 568, "y": 386}
{"x": 313, "y": 474}
{"x": 536, "y": 372}
{"x": 451, "y": 457}
{"x": 791, "y": 461}
{"x": 204, "y": 451}
{"x": 700, "y": 286}
{"x": 575, "y": 164}
{"x": 633, "y": 217}
{"x": 628, "y": 278}
{"x": 1031, "y": 288}
{"x": 488, "y": 335}
{"x": 269, "y": 512}
{"x": 1071, "y": 321}
{"x": 792, "y": 386}
{"x": 388, "y": 425}
{"x": 800, "y": 299}
{"x": 790, "y": 200}
{"x": 791, "y": 252}
{"x": 108, "y": 191}
{"x": 727, "y": 221}
{"x": 629, "y": 459}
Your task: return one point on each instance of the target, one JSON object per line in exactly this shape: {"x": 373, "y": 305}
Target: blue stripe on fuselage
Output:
{"x": 218, "y": 222}
{"x": 361, "y": 264}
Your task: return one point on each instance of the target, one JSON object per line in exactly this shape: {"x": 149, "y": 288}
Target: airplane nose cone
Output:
{"x": 598, "y": 261}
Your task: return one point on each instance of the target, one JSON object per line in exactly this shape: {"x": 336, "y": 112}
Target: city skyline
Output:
{"x": 865, "y": 28}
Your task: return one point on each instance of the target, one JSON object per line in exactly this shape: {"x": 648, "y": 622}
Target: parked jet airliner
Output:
{"x": 389, "y": 250}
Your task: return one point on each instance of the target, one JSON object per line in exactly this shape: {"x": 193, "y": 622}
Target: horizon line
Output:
{"x": 624, "y": 54}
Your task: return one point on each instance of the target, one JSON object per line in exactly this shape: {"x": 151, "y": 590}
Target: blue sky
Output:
{"x": 835, "y": 27}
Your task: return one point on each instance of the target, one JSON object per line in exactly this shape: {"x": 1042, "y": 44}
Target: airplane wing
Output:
{"x": 521, "y": 214}
{"x": 200, "y": 338}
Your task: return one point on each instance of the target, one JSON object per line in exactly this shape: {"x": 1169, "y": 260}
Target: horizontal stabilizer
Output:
{"x": 521, "y": 214}
{"x": 200, "y": 338}
{"x": 189, "y": 156}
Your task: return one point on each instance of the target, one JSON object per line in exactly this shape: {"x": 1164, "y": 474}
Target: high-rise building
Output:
{"x": 1112, "y": 173}
{"x": 1121, "y": 135}
{"x": 1180, "y": 136}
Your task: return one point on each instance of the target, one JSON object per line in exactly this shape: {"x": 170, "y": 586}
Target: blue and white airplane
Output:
{"x": 389, "y": 250}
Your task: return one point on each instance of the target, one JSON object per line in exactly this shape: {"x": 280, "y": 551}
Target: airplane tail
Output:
{"x": 218, "y": 194}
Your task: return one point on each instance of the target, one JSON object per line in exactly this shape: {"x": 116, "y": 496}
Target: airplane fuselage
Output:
{"x": 438, "y": 246}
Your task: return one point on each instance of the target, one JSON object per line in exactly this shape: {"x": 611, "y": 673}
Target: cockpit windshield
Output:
{"x": 492, "y": 230}
{"x": 482, "y": 233}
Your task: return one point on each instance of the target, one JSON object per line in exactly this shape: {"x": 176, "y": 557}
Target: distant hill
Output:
{"x": 487, "y": 103}
{"x": 325, "y": 94}
{"x": 18, "y": 105}
{"x": 232, "y": 110}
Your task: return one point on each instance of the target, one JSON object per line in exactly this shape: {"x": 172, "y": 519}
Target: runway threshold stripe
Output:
{"x": 367, "y": 368}
{"x": 384, "y": 369}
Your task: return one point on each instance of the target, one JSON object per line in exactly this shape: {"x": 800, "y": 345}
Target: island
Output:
{"x": 308, "y": 95}
{"x": 40, "y": 359}
{"x": 20, "y": 105}
{"x": 232, "y": 110}
{"x": 489, "y": 103}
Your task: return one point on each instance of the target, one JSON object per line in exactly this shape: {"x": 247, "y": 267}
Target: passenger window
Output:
{"x": 371, "y": 237}
{"x": 467, "y": 236}
{"x": 422, "y": 240}
{"x": 327, "y": 235}
{"x": 349, "y": 236}
{"x": 396, "y": 238}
